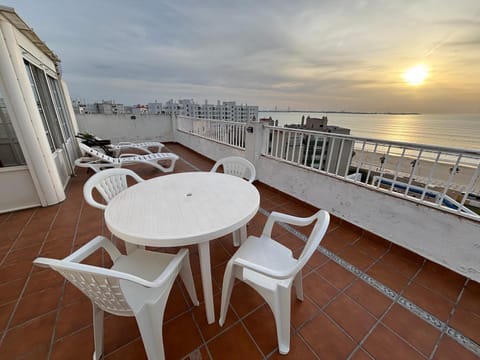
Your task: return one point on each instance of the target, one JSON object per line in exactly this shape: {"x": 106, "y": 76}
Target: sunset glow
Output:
{"x": 416, "y": 75}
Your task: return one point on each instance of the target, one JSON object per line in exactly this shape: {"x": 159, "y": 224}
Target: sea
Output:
{"x": 461, "y": 131}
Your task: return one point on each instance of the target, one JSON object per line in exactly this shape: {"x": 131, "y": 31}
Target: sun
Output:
{"x": 416, "y": 75}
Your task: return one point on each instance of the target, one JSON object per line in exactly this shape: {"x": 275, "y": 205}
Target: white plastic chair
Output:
{"x": 270, "y": 268}
{"x": 136, "y": 285}
{"x": 109, "y": 183}
{"x": 237, "y": 166}
{"x": 99, "y": 160}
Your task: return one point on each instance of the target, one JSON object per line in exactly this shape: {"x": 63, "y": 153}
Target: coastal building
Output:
{"x": 323, "y": 152}
{"x": 227, "y": 111}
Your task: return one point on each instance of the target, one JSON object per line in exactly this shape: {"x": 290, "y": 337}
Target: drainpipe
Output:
{"x": 26, "y": 119}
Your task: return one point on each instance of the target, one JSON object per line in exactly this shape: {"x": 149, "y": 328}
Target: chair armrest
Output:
{"x": 280, "y": 275}
{"x": 92, "y": 246}
{"x": 288, "y": 219}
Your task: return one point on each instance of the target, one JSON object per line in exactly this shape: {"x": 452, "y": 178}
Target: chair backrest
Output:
{"x": 237, "y": 166}
{"x": 316, "y": 236}
{"x": 97, "y": 153}
{"x": 109, "y": 183}
{"x": 104, "y": 286}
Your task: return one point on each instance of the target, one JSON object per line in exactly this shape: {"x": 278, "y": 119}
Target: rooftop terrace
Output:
{"x": 365, "y": 298}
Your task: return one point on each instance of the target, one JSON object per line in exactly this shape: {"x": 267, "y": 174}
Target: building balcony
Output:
{"x": 365, "y": 296}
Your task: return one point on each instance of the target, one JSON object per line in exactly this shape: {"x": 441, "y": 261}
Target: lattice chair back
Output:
{"x": 237, "y": 166}
{"x": 109, "y": 184}
{"x": 104, "y": 291}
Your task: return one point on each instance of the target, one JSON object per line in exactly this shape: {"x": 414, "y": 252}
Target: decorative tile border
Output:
{"x": 463, "y": 340}
{"x": 385, "y": 290}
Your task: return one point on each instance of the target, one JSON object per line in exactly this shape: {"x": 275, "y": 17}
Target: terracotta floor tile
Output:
{"x": 37, "y": 304}
{"x": 389, "y": 277}
{"x": 46, "y": 278}
{"x": 361, "y": 354}
{"x": 261, "y": 324}
{"x": 16, "y": 271}
{"x": 318, "y": 289}
{"x": 28, "y": 337}
{"x": 372, "y": 246}
{"x": 5, "y": 312}
{"x": 24, "y": 254}
{"x": 429, "y": 301}
{"x": 370, "y": 298}
{"x": 119, "y": 331}
{"x": 73, "y": 318}
{"x": 356, "y": 258}
{"x": 384, "y": 344}
{"x": 211, "y": 330}
{"x": 176, "y": 303}
{"x": 441, "y": 280}
{"x": 450, "y": 349}
{"x": 468, "y": 323}
{"x": 78, "y": 345}
{"x": 298, "y": 350}
{"x": 302, "y": 311}
{"x": 336, "y": 275}
{"x": 290, "y": 241}
{"x": 401, "y": 264}
{"x": 235, "y": 338}
{"x": 245, "y": 299}
{"x": 350, "y": 316}
{"x": 412, "y": 329}
{"x": 178, "y": 346}
{"x": 326, "y": 339}
{"x": 317, "y": 260}
{"x": 134, "y": 350}
{"x": 28, "y": 240}
{"x": 10, "y": 291}
{"x": 333, "y": 242}
{"x": 470, "y": 299}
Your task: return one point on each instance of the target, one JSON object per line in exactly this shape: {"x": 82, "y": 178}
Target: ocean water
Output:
{"x": 450, "y": 130}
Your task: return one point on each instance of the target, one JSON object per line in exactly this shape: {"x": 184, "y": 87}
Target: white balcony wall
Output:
{"x": 127, "y": 127}
{"x": 442, "y": 237}
{"x": 211, "y": 149}
{"x": 447, "y": 239}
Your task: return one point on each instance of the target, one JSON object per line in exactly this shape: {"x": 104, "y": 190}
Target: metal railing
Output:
{"x": 447, "y": 178}
{"x": 225, "y": 132}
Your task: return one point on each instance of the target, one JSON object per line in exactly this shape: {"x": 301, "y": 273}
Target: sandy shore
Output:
{"x": 426, "y": 172}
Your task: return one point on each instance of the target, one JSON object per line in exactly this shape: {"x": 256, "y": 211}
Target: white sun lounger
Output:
{"x": 99, "y": 160}
{"x": 143, "y": 146}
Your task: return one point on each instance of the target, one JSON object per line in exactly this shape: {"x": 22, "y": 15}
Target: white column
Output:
{"x": 254, "y": 141}
{"x": 26, "y": 119}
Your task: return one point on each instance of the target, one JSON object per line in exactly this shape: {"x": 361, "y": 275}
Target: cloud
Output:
{"x": 263, "y": 52}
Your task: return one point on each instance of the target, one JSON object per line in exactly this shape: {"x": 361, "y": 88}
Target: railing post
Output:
{"x": 254, "y": 136}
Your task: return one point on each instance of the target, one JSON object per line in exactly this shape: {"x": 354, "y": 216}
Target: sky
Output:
{"x": 308, "y": 55}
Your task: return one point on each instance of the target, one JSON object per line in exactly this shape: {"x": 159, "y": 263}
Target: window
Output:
{"x": 10, "y": 151}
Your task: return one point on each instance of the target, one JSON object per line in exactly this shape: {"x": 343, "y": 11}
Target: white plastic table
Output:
{"x": 182, "y": 209}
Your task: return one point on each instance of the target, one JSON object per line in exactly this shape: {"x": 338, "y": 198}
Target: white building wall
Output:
{"x": 127, "y": 127}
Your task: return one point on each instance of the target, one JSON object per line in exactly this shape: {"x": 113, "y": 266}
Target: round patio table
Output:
{"x": 183, "y": 209}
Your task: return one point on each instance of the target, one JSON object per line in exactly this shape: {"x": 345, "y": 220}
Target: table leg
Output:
{"x": 205, "y": 269}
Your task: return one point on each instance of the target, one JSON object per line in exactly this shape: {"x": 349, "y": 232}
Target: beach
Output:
{"x": 427, "y": 172}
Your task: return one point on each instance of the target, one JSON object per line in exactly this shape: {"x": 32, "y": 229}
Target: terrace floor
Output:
{"x": 365, "y": 298}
